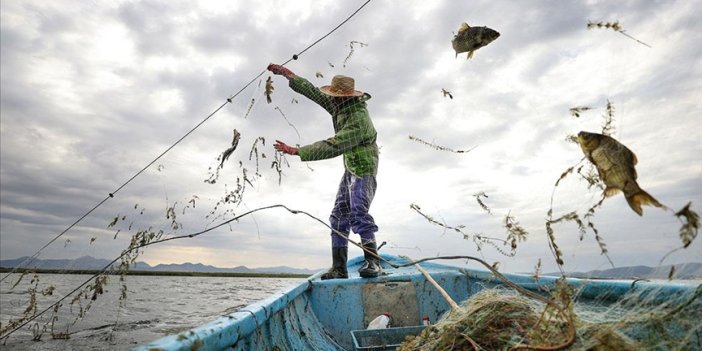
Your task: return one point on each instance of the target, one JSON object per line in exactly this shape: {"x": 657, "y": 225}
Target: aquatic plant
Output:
{"x": 515, "y": 232}
{"x": 576, "y": 111}
{"x": 352, "y": 49}
{"x": 269, "y": 89}
{"x": 438, "y": 147}
{"x": 481, "y": 203}
{"x": 615, "y": 26}
{"x": 691, "y": 225}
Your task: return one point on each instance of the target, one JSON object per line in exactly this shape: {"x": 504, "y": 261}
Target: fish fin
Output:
{"x": 463, "y": 26}
{"x": 470, "y": 54}
{"x": 610, "y": 191}
{"x": 641, "y": 198}
{"x": 634, "y": 160}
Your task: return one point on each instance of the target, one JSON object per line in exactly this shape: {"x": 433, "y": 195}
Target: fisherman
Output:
{"x": 354, "y": 139}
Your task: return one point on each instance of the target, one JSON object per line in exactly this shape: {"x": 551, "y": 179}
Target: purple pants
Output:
{"x": 353, "y": 200}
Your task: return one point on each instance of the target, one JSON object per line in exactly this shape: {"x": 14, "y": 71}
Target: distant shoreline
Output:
{"x": 157, "y": 273}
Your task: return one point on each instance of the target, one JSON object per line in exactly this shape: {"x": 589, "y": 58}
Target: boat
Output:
{"x": 333, "y": 314}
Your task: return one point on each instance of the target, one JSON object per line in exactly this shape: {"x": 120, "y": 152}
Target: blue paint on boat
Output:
{"x": 320, "y": 315}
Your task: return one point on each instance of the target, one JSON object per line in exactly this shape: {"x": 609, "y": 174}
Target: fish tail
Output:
{"x": 640, "y": 198}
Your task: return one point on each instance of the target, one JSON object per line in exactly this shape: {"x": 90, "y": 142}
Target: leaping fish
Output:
{"x": 468, "y": 39}
{"x": 615, "y": 165}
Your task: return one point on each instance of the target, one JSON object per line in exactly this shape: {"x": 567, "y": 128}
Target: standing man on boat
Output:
{"x": 355, "y": 139}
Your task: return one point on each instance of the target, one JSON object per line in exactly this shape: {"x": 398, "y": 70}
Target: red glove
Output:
{"x": 284, "y": 148}
{"x": 278, "y": 69}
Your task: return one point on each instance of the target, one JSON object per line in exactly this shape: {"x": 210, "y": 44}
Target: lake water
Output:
{"x": 156, "y": 306}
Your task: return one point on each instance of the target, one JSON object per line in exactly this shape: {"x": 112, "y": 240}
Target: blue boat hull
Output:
{"x": 320, "y": 315}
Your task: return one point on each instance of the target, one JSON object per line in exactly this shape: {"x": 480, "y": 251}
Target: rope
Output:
{"x": 31, "y": 259}
{"x": 295, "y": 57}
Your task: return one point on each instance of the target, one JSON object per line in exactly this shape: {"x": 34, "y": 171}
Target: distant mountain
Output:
{"x": 85, "y": 262}
{"x": 91, "y": 263}
{"x": 682, "y": 271}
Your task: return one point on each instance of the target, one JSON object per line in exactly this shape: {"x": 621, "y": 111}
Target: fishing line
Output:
{"x": 31, "y": 259}
{"x": 295, "y": 57}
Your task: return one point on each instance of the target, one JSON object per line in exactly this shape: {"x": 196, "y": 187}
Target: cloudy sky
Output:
{"x": 93, "y": 91}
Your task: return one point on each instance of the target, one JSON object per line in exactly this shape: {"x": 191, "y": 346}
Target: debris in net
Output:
{"x": 228, "y": 152}
{"x": 319, "y": 75}
{"x": 537, "y": 270}
{"x": 248, "y": 110}
{"x": 481, "y": 203}
{"x": 446, "y": 93}
{"x": 278, "y": 161}
{"x": 489, "y": 320}
{"x": 286, "y": 120}
{"x": 615, "y": 26}
{"x": 576, "y": 111}
{"x": 608, "y": 126}
{"x": 254, "y": 152}
{"x": 478, "y": 238}
{"x": 441, "y": 148}
{"x": 500, "y": 319}
{"x": 468, "y": 39}
{"x": 691, "y": 226}
{"x": 615, "y": 166}
{"x": 269, "y": 89}
{"x": 515, "y": 232}
{"x": 352, "y": 49}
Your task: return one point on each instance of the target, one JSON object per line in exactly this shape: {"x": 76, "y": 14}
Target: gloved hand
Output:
{"x": 284, "y": 148}
{"x": 280, "y": 70}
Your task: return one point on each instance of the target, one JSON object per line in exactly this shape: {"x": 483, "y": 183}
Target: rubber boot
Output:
{"x": 338, "y": 269}
{"x": 371, "y": 267}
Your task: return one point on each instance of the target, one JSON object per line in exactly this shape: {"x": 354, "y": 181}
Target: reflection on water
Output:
{"x": 156, "y": 306}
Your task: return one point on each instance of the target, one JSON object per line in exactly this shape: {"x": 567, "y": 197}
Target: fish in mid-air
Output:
{"x": 615, "y": 165}
{"x": 469, "y": 39}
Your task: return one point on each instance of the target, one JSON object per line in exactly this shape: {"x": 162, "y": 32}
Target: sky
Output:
{"x": 93, "y": 91}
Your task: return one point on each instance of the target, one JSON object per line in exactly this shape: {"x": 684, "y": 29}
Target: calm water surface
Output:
{"x": 155, "y": 307}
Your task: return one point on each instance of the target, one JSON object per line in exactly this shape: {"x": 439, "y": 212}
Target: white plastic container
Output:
{"x": 380, "y": 322}
{"x": 425, "y": 321}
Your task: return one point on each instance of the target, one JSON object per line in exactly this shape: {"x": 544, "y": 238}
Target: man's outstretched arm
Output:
{"x": 304, "y": 87}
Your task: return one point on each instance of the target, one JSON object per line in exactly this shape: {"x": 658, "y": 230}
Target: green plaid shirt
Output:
{"x": 355, "y": 135}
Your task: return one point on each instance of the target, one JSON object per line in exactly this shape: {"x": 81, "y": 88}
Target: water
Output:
{"x": 156, "y": 306}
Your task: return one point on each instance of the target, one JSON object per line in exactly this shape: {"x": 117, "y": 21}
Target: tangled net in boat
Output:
{"x": 490, "y": 320}
{"x": 502, "y": 319}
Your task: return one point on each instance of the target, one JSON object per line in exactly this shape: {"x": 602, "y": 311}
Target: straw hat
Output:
{"x": 341, "y": 86}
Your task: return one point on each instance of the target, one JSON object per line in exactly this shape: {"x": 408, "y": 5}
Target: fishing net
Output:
{"x": 214, "y": 201}
{"x": 215, "y": 197}
{"x": 503, "y": 319}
